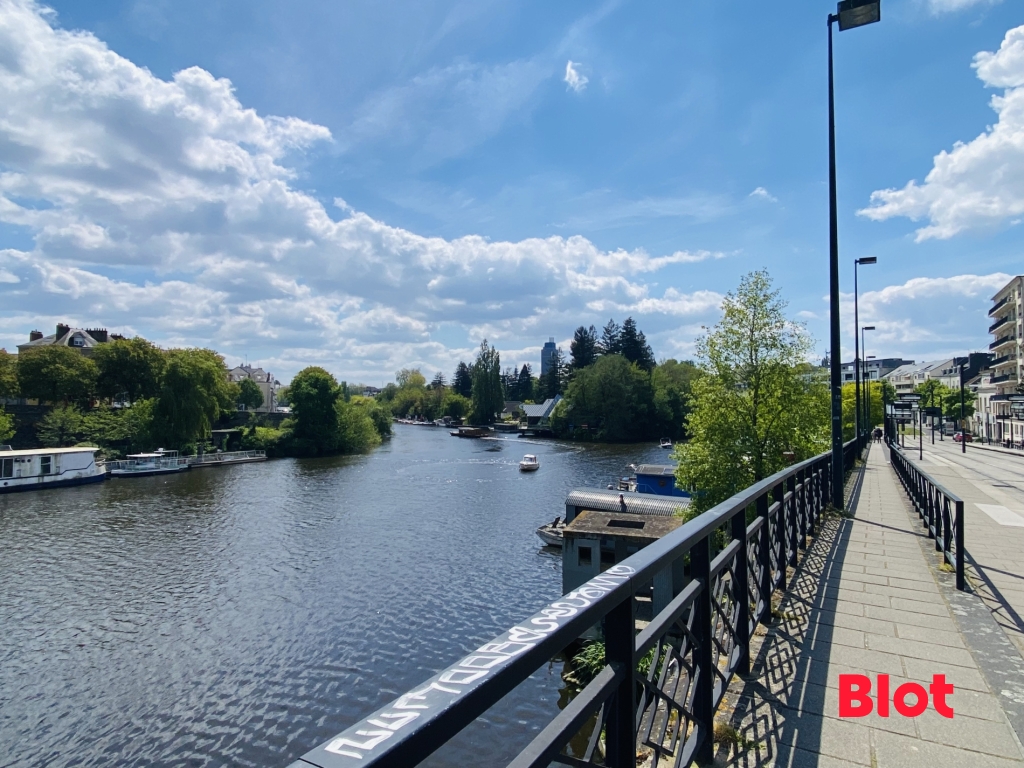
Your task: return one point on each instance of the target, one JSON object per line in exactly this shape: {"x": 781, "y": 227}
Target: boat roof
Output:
{"x": 46, "y": 451}
{"x": 656, "y": 469}
{"x": 147, "y": 456}
{"x": 529, "y": 456}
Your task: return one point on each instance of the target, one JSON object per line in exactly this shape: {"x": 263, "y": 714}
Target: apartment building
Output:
{"x": 1007, "y": 374}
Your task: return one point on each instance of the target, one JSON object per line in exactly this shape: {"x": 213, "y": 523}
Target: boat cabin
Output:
{"x": 47, "y": 467}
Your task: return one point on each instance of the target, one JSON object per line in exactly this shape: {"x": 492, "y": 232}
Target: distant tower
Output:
{"x": 547, "y": 355}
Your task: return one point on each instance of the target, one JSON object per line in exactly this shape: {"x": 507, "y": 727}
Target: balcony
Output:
{"x": 999, "y": 342}
{"x": 998, "y": 323}
{"x": 999, "y": 305}
{"x": 1004, "y": 360}
{"x": 1004, "y": 377}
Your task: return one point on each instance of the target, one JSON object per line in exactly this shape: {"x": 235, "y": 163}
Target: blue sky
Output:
{"x": 372, "y": 185}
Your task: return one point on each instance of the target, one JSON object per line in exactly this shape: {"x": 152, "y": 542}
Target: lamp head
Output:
{"x": 857, "y": 13}
{"x": 867, "y": 328}
{"x": 868, "y": 260}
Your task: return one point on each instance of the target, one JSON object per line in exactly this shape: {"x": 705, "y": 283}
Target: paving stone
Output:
{"x": 936, "y": 608}
{"x": 993, "y": 738}
{"x": 914, "y": 649}
{"x": 926, "y": 620}
{"x": 896, "y": 751}
{"x": 930, "y": 635}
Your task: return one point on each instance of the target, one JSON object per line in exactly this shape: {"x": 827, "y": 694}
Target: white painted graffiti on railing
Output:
{"x": 361, "y": 739}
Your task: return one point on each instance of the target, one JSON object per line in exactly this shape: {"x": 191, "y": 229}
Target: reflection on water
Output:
{"x": 238, "y": 616}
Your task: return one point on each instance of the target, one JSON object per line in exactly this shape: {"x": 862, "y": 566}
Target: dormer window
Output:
{"x": 77, "y": 340}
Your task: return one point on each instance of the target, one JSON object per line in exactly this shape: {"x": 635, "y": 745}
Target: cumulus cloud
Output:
{"x": 979, "y": 183}
{"x": 764, "y": 194}
{"x": 168, "y": 208}
{"x": 925, "y": 316}
{"x": 573, "y": 78}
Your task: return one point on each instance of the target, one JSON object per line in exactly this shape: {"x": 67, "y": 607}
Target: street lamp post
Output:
{"x": 858, "y": 375}
{"x": 867, "y": 391}
{"x": 850, "y": 14}
{"x": 963, "y": 429}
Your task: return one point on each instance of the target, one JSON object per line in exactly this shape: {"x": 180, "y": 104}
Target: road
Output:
{"x": 992, "y": 487}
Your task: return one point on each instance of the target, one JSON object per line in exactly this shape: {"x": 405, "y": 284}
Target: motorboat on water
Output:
{"x": 665, "y": 442}
{"x": 551, "y": 533}
{"x": 40, "y": 468}
{"x": 470, "y": 432}
{"x": 159, "y": 462}
{"x": 529, "y": 463}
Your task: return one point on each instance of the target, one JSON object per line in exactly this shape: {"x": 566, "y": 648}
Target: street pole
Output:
{"x": 920, "y": 434}
{"x": 963, "y": 432}
{"x": 833, "y": 268}
{"x": 856, "y": 346}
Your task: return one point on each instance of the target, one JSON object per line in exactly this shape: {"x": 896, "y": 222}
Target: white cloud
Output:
{"x": 924, "y": 317}
{"x": 950, "y": 6}
{"x": 979, "y": 183}
{"x": 764, "y": 194}
{"x": 576, "y": 81}
{"x": 166, "y": 207}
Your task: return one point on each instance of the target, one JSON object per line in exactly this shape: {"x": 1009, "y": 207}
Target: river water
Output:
{"x": 239, "y": 616}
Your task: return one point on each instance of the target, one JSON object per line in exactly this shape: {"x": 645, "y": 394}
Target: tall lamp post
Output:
{"x": 867, "y": 388}
{"x": 850, "y": 14}
{"x": 858, "y": 375}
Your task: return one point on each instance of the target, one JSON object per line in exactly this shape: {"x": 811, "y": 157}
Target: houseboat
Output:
{"x": 40, "y": 468}
{"x": 470, "y": 432}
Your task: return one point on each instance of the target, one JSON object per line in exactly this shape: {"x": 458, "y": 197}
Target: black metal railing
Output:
{"x": 998, "y": 323}
{"x": 734, "y": 558}
{"x": 1000, "y": 341}
{"x": 998, "y": 306}
{"x": 941, "y": 512}
{"x": 1000, "y": 360}
{"x": 1001, "y": 379}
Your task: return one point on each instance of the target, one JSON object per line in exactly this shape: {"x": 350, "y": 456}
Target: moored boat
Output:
{"x": 470, "y": 432}
{"x": 529, "y": 463}
{"x": 40, "y": 468}
{"x": 551, "y": 533}
{"x": 160, "y": 462}
{"x": 665, "y": 442}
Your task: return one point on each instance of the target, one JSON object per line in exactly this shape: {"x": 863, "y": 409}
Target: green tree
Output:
{"x": 755, "y": 400}
{"x": 356, "y": 430}
{"x": 7, "y": 426}
{"x": 611, "y": 343}
{"x": 634, "y": 347}
{"x": 282, "y": 396}
{"x": 61, "y": 427}
{"x": 525, "y": 384}
{"x": 8, "y": 375}
{"x": 250, "y": 396}
{"x": 583, "y": 349}
{"x": 193, "y": 393}
{"x": 613, "y": 398}
{"x": 410, "y": 377}
{"x": 56, "y": 374}
{"x": 951, "y": 403}
{"x": 488, "y": 397}
{"x": 462, "y": 381}
{"x": 456, "y": 406}
{"x": 128, "y": 368}
{"x": 314, "y": 397}
{"x": 672, "y": 382}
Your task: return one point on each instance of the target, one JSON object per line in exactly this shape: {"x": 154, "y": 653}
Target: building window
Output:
{"x": 77, "y": 341}
{"x": 585, "y": 558}
{"x": 6, "y": 467}
{"x": 45, "y": 465}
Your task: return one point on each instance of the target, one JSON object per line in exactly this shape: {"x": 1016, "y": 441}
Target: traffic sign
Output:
{"x": 910, "y": 397}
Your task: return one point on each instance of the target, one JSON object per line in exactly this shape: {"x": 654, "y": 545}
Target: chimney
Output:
{"x": 35, "y": 335}
{"x": 100, "y": 334}
{"x": 62, "y": 330}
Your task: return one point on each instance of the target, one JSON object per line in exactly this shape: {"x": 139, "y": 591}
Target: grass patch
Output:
{"x": 727, "y": 735}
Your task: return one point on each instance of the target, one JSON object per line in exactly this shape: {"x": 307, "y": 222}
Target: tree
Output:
{"x": 8, "y": 375}
{"x": 525, "y": 383}
{"x": 462, "y": 381}
{"x": 250, "y": 396}
{"x": 634, "y": 347}
{"x": 488, "y": 398}
{"x": 673, "y": 382}
{"x": 314, "y": 396}
{"x": 438, "y": 381}
{"x": 612, "y": 397}
{"x": 456, "y": 406}
{"x": 583, "y": 349}
{"x": 610, "y": 344}
{"x": 552, "y": 383}
{"x": 7, "y": 428}
{"x": 410, "y": 377}
{"x": 194, "y": 392}
{"x": 756, "y": 399}
{"x": 356, "y": 430}
{"x": 128, "y": 369}
{"x": 56, "y": 374}
{"x": 951, "y": 403}
{"x": 282, "y": 395}
{"x": 61, "y": 427}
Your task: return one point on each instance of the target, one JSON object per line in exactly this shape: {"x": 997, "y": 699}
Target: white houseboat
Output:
{"x": 40, "y": 468}
{"x": 160, "y": 462}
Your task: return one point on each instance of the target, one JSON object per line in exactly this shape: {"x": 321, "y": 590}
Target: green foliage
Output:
{"x": 462, "y": 381}
{"x": 488, "y": 396}
{"x": 583, "y": 349}
{"x": 356, "y": 430}
{"x": 379, "y": 414}
{"x": 756, "y": 399}
{"x": 8, "y": 375}
{"x": 128, "y": 369}
{"x": 610, "y": 344}
{"x": 410, "y": 377}
{"x": 525, "y": 386}
{"x": 673, "y": 382}
{"x": 314, "y": 393}
{"x": 56, "y": 374}
{"x": 633, "y": 346}
{"x": 250, "y": 396}
{"x": 951, "y": 403}
{"x": 7, "y": 427}
{"x": 273, "y": 441}
{"x": 456, "y": 406}
{"x": 871, "y": 390}
{"x": 613, "y": 398}
{"x": 193, "y": 393}
{"x": 61, "y": 427}
{"x": 590, "y": 660}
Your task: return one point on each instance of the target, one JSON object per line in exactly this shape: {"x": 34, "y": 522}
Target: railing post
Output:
{"x": 961, "y": 582}
{"x": 764, "y": 553}
{"x": 935, "y": 499}
{"x": 791, "y": 524}
{"x": 703, "y": 696}
{"x": 780, "y": 536}
{"x": 741, "y": 592}
{"x": 805, "y": 507}
{"x": 946, "y": 542}
{"x": 620, "y": 723}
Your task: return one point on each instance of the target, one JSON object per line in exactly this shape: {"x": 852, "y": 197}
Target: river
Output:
{"x": 239, "y": 616}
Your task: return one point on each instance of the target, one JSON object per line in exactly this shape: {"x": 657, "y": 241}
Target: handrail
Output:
{"x": 998, "y": 323}
{"x": 1000, "y": 341}
{"x": 998, "y": 306}
{"x": 699, "y": 640}
{"x": 940, "y": 510}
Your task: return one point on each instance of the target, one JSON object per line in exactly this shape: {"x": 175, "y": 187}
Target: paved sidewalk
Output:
{"x": 866, "y": 600}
